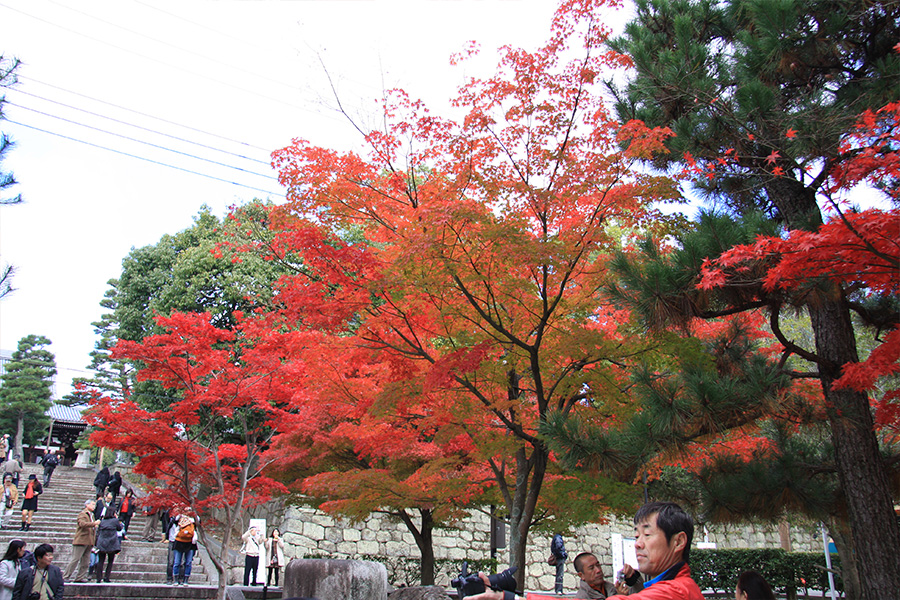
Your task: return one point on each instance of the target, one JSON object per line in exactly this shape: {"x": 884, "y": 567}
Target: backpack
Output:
{"x": 185, "y": 532}
{"x": 52, "y": 461}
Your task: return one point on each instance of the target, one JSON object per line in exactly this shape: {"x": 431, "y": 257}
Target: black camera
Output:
{"x": 470, "y": 584}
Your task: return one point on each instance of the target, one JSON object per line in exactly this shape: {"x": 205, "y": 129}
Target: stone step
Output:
{"x": 139, "y": 562}
{"x": 114, "y": 591}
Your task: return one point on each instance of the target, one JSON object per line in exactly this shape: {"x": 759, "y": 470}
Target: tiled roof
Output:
{"x": 58, "y": 412}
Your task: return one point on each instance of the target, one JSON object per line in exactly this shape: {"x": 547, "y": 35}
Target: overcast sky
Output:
{"x": 233, "y": 80}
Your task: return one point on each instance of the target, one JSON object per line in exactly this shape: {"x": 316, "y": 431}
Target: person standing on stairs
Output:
{"x": 114, "y": 485}
{"x": 104, "y": 506}
{"x": 108, "y": 544}
{"x": 101, "y": 480}
{"x": 126, "y": 510}
{"x": 185, "y": 547}
{"x": 30, "y": 504}
{"x": 10, "y": 499}
{"x": 82, "y": 544}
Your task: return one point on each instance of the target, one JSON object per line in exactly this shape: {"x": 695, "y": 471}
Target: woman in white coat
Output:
{"x": 9, "y": 568}
{"x": 274, "y": 555}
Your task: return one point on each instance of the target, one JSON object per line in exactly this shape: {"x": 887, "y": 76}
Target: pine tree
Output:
{"x": 7, "y": 180}
{"x": 763, "y": 92}
{"x": 27, "y": 385}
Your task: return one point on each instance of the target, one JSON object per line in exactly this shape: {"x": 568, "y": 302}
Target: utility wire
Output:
{"x": 179, "y": 48}
{"x": 174, "y": 137}
{"x": 137, "y": 112}
{"x": 183, "y": 70}
{"x": 156, "y": 162}
{"x": 131, "y": 139}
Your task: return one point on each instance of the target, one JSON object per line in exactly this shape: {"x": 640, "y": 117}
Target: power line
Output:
{"x": 131, "y": 139}
{"x": 179, "y": 48}
{"x": 280, "y": 195}
{"x": 174, "y": 137}
{"x": 137, "y": 112}
{"x": 183, "y": 70}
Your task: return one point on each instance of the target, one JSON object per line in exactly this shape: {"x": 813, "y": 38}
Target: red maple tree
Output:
{"x": 477, "y": 246}
{"x": 202, "y": 451}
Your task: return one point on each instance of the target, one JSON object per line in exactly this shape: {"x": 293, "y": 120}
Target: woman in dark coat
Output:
{"x": 101, "y": 480}
{"x": 108, "y": 544}
{"x": 30, "y": 502}
{"x": 114, "y": 485}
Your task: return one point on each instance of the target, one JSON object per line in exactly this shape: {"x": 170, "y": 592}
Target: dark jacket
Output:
{"x": 25, "y": 581}
{"x": 114, "y": 483}
{"x": 102, "y": 478}
{"x": 120, "y": 506}
{"x": 103, "y": 510}
{"x": 108, "y": 539}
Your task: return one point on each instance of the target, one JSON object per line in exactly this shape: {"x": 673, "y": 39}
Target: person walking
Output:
{"x": 10, "y": 565}
{"x": 4, "y": 447}
{"x": 126, "y": 510}
{"x": 10, "y": 499}
{"x": 13, "y": 467}
{"x": 274, "y": 556}
{"x": 49, "y": 461}
{"x": 82, "y": 544}
{"x": 185, "y": 547}
{"x": 558, "y": 558}
{"x": 253, "y": 540}
{"x": 104, "y": 506}
{"x": 114, "y": 485}
{"x": 152, "y": 515}
{"x": 44, "y": 580}
{"x": 101, "y": 480}
{"x": 108, "y": 544}
{"x": 30, "y": 504}
{"x": 169, "y": 521}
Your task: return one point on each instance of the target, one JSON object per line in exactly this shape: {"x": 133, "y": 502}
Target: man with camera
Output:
{"x": 44, "y": 581}
{"x": 663, "y": 534}
{"x": 593, "y": 585}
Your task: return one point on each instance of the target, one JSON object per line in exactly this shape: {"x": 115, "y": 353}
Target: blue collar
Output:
{"x": 669, "y": 573}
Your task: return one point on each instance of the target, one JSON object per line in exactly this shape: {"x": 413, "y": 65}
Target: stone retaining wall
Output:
{"x": 308, "y": 532}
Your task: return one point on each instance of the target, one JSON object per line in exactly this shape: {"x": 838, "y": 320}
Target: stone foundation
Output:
{"x": 308, "y": 532}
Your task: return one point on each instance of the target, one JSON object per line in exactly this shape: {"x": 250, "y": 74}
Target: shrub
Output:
{"x": 786, "y": 572}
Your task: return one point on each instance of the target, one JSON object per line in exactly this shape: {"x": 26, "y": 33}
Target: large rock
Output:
{"x": 425, "y": 592}
{"x": 327, "y": 579}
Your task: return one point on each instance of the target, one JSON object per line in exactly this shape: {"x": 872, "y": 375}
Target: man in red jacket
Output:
{"x": 663, "y": 534}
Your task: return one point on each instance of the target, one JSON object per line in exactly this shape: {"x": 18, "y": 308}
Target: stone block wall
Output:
{"x": 308, "y": 532}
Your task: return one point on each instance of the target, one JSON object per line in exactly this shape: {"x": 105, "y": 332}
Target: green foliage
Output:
{"x": 786, "y": 572}
{"x": 7, "y": 180}
{"x": 184, "y": 272}
{"x": 27, "y": 386}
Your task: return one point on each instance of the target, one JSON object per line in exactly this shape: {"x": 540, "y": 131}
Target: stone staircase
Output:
{"x": 139, "y": 570}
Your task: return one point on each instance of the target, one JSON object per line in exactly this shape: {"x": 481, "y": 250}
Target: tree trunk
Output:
{"x": 529, "y": 478}
{"x": 20, "y": 436}
{"x": 861, "y": 470}
{"x": 424, "y": 537}
{"x": 843, "y": 541}
{"x": 427, "y": 548}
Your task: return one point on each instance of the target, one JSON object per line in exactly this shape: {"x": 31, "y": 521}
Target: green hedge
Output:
{"x": 789, "y": 573}
{"x": 403, "y": 571}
